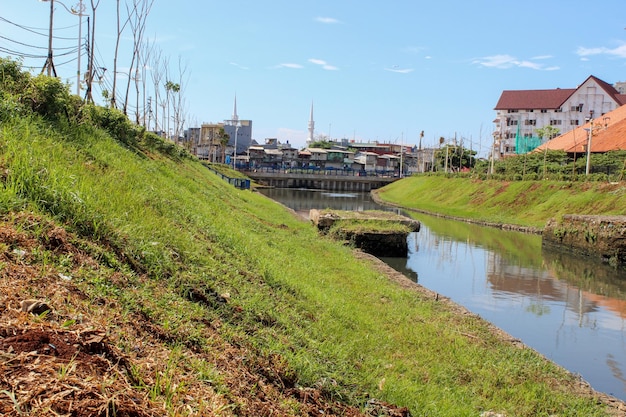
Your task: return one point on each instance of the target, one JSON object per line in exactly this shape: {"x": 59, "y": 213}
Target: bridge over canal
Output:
{"x": 331, "y": 180}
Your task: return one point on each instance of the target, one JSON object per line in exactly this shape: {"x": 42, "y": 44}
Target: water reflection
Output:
{"x": 303, "y": 200}
{"x": 569, "y": 308}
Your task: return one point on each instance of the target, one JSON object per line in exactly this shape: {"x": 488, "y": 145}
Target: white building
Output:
{"x": 519, "y": 113}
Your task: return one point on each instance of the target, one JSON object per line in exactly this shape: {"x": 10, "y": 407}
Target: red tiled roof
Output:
{"x": 533, "y": 99}
{"x": 549, "y": 99}
{"x": 610, "y": 90}
{"x": 609, "y": 134}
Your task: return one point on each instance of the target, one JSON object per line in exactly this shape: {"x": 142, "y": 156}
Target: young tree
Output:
{"x": 548, "y": 132}
{"x": 451, "y": 156}
{"x": 137, "y": 24}
{"x": 158, "y": 66}
{"x": 178, "y": 101}
{"x": 120, "y": 30}
{"x": 171, "y": 88}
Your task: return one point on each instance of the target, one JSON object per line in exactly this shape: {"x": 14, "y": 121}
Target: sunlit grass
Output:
{"x": 526, "y": 203}
{"x": 172, "y": 227}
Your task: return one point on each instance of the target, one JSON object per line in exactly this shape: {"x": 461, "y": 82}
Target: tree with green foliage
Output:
{"x": 322, "y": 143}
{"x": 548, "y": 132}
{"x": 455, "y": 158}
{"x": 223, "y": 138}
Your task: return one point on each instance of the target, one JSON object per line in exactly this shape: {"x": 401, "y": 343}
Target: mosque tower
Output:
{"x": 235, "y": 118}
{"x": 310, "y": 138}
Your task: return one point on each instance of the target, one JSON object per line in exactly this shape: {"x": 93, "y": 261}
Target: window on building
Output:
{"x": 530, "y": 122}
{"x": 554, "y": 122}
{"x": 558, "y": 110}
{"x": 578, "y": 108}
{"x": 513, "y": 110}
{"x": 511, "y": 122}
{"x": 544, "y": 110}
{"x": 574, "y": 122}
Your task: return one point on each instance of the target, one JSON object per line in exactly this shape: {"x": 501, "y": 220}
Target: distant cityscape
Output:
{"x": 520, "y": 126}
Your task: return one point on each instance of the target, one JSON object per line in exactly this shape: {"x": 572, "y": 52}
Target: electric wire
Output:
{"x": 44, "y": 34}
{"x": 20, "y": 54}
{"x": 22, "y": 43}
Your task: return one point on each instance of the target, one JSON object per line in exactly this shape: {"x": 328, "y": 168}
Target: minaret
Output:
{"x": 310, "y": 139}
{"x": 235, "y": 122}
{"x": 235, "y": 118}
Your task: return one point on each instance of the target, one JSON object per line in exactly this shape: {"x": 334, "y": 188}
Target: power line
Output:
{"x": 20, "y": 54}
{"x": 22, "y": 43}
{"x": 24, "y": 27}
{"x": 34, "y": 30}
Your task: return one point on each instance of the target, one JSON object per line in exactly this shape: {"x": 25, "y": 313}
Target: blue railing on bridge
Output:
{"x": 241, "y": 183}
{"x": 347, "y": 172}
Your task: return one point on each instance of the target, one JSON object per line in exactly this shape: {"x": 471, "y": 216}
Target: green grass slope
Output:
{"x": 525, "y": 203}
{"x": 218, "y": 301}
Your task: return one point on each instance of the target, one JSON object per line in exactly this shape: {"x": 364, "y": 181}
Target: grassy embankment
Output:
{"x": 220, "y": 301}
{"x": 524, "y": 203}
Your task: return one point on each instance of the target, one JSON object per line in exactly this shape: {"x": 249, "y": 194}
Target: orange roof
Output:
{"x": 609, "y": 134}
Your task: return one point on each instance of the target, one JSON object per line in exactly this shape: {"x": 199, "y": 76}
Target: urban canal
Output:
{"x": 570, "y": 309}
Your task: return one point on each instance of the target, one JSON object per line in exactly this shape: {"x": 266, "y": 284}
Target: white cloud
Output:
{"x": 496, "y": 61}
{"x": 400, "y": 70}
{"x": 289, "y": 65}
{"x": 529, "y": 64}
{"x": 323, "y": 64}
{"x": 327, "y": 20}
{"x": 505, "y": 61}
{"x": 317, "y": 61}
{"x": 234, "y": 64}
{"x": 619, "y": 52}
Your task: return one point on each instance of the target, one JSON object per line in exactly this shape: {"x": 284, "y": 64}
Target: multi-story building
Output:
{"x": 191, "y": 138}
{"x": 520, "y": 113}
{"x": 208, "y": 146}
{"x": 239, "y": 132}
{"x": 243, "y": 135}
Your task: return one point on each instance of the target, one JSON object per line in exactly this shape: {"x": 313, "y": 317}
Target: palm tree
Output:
{"x": 222, "y": 138}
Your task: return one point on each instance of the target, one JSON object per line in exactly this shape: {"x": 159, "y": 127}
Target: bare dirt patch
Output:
{"x": 83, "y": 355}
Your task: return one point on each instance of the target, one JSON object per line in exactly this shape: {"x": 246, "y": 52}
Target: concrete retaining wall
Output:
{"x": 603, "y": 237}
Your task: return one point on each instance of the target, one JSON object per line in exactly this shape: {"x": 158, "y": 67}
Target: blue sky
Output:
{"x": 374, "y": 70}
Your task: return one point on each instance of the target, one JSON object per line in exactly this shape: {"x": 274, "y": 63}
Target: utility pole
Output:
{"x": 401, "y": 154}
{"x": 588, "y": 167}
{"x": 49, "y": 65}
{"x": 79, "y": 13}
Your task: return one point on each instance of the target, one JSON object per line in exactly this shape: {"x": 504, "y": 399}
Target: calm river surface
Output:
{"x": 570, "y": 309}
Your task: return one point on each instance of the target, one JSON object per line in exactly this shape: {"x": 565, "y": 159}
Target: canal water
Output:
{"x": 570, "y": 309}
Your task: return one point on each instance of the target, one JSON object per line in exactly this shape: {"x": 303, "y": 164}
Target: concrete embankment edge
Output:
{"x": 616, "y": 407}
